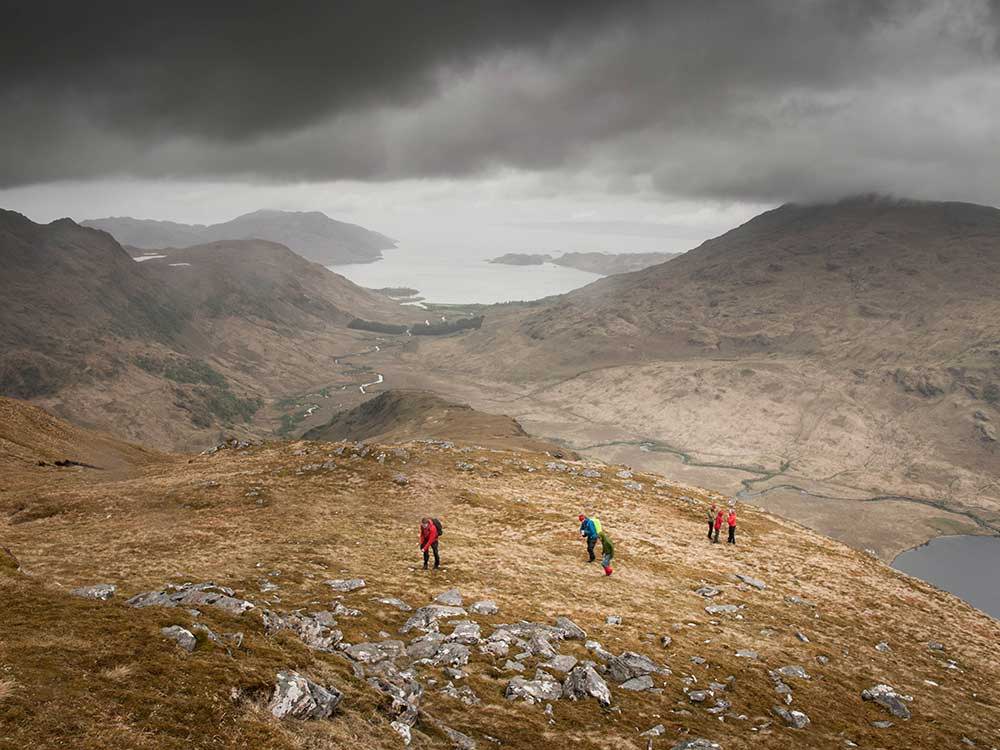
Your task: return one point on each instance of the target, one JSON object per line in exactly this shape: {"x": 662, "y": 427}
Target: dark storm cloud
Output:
{"x": 758, "y": 99}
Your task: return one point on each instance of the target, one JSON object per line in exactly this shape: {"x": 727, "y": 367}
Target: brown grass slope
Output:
{"x": 400, "y": 416}
{"x": 94, "y": 675}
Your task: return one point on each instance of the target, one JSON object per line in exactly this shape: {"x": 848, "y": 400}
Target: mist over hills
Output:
{"x": 311, "y": 234}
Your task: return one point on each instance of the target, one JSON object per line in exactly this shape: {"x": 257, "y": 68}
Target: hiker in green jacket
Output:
{"x": 608, "y": 550}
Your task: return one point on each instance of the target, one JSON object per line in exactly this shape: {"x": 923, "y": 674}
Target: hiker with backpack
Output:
{"x": 717, "y": 525}
{"x": 589, "y": 530}
{"x": 731, "y": 522}
{"x": 711, "y": 521}
{"x": 430, "y": 531}
{"x": 607, "y": 551}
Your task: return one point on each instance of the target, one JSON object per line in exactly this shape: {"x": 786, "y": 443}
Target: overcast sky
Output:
{"x": 663, "y": 120}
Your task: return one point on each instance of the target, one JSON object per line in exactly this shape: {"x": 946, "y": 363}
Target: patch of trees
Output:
{"x": 451, "y": 326}
{"x": 376, "y": 327}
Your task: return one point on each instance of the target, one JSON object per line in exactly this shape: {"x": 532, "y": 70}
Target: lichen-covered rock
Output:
{"x": 484, "y": 607}
{"x": 584, "y": 682}
{"x": 560, "y": 663}
{"x": 645, "y": 682}
{"x": 533, "y": 691}
{"x": 370, "y": 653}
{"x": 629, "y": 664}
{"x": 887, "y": 697}
{"x": 181, "y": 636}
{"x": 697, "y": 744}
{"x": 100, "y": 591}
{"x": 571, "y": 631}
{"x": 425, "y": 616}
{"x": 451, "y": 598}
{"x": 392, "y": 601}
{"x": 346, "y": 585}
{"x": 793, "y": 670}
{"x": 193, "y": 595}
{"x": 452, "y": 655}
{"x": 467, "y": 632}
{"x": 458, "y": 740}
{"x": 722, "y": 609}
{"x": 300, "y": 698}
{"x": 313, "y": 630}
{"x": 791, "y": 717}
{"x": 751, "y": 581}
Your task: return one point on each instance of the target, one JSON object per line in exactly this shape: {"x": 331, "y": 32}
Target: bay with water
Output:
{"x": 967, "y": 566}
{"x": 459, "y": 277}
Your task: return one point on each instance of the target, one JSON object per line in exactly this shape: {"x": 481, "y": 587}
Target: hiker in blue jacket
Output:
{"x": 589, "y": 529}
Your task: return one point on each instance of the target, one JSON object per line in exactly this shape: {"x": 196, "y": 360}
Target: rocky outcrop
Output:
{"x": 887, "y": 697}
{"x": 193, "y": 595}
{"x": 297, "y": 697}
{"x": 584, "y": 682}
{"x": 424, "y": 617}
{"x": 533, "y": 691}
{"x": 314, "y": 630}
{"x": 346, "y": 585}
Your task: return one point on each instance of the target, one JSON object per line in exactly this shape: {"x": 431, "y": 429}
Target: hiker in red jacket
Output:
{"x": 717, "y": 526}
{"x": 731, "y": 522}
{"x": 429, "y": 541}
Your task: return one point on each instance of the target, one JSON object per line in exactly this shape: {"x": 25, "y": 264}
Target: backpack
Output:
{"x": 597, "y": 525}
{"x": 438, "y": 526}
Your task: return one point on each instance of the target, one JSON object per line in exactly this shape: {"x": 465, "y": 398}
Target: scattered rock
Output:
{"x": 466, "y": 631}
{"x": 935, "y": 646}
{"x": 424, "y": 617}
{"x": 613, "y": 620}
{"x": 802, "y": 637}
{"x": 401, "y": 479}
{"x": 635, "y": 486}
{"x": 312, "y": 630}
{"x": 403, "y": 730}
{"x": 645, "y": 682}
{"x": 882, "y": 724}
{"x": 425, "y": 647}
{"x": 799, "y": 601}
{"x": 463, "y": 694}
{"x": 534, "y": 691}
{"x": 746, "y": 653}
{"x": 887, "y": 697}
{"x": 793, "y": 670}
{"x": 570, "y": 630}
{"x": 624, "y": 474}
{"x": 699, "y": 696}
{"x": 697, "y": 744}
{"x": 465, "y": 466}
{"x": 301, "y": 698}
{"x": 391, "y": 601}
{"x": 370, "y": 653}
{"x": 751, "y": 581}
{"x": 792, "y": 718}
{"x": 629, "y": 665}
{"x": 513, "y": 666}
{"x": 484, "y": 607}
{"x": 181, "y": 636}
{"x": 584, "y": 682}
{"x": 459, "y": 741}
{"x": 100, "y": 591}
{"x": 666, "y": 640}
{"x": 561, "y": 663}
{"x": 722, "y": 609}
{"x": 656, "y": 731}
{"x": 346, "y": 584}
{"x": 451, "y": 598}
{"x": 193, "y": 595}
{"x": 882, "y": 647}
{"x": 339, "y": 610}
{"x": 452, "y": 655}
{"x": 707, "y": 591}
{"x": 598, "y": 650}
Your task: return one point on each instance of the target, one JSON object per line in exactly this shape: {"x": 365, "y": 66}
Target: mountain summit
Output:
{"x": 311, "y": 234}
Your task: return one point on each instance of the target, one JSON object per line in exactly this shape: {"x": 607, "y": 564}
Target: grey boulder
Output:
{"x": 629, "y": 665}
{"x": 181, "y": 636}
{"x": 300, "y": 698}
{"x": 484, "y": 607}
{"x": 451, "y": 598}
{"x": 100, "y": 591}
{"x": 193, "y": 595}
{"x": 346, "y": 585}
{"x": 638, "y": 683}
{"x": 584, "y": 682}
{"x": 887, "y": 697}
{"x": 312, "y": 630}
{"x": 533, "y": 691}
{"x": 792, "y": 718}
{"x": 424, "y": 617}
{"x": 571, "y": 631}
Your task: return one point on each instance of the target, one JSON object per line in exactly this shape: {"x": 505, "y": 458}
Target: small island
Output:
{"x": 603, "y": 264}
{"x": 522, "y": 259}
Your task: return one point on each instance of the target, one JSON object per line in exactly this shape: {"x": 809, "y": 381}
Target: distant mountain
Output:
{"x": 313, "y": 235}
{"x": 850, "y": 348}
{"x": 609, "y": 264}
{"x": 169, "y": 350}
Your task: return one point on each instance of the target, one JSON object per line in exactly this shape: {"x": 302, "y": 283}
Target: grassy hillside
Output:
{"x": 275, "y": 522}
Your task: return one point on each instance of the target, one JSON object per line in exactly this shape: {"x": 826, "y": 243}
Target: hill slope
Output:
{"x": 399, "y": 416}
{"x": 277, "y": 523}
{"x": 311, "y": 234}
{"x": 170, "y": 351}
{"x": 822, "y": 354}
